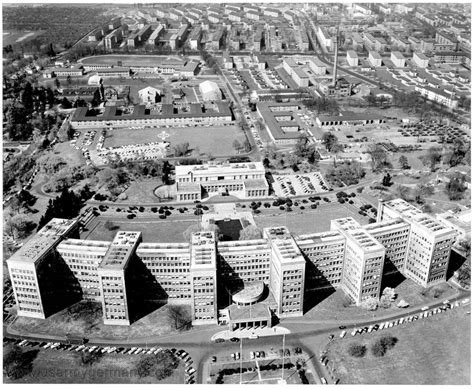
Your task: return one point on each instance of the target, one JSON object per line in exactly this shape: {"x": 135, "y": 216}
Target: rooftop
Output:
{"x": 221, "y": 168}
{"x": 47, "y": 238}
{"x": 120, "y": 250}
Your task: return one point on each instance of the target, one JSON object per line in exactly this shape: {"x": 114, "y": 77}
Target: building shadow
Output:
{"x": 456, "y": 260}
{"x": 58, "y": 285}
{"x": 391, "y": 277}
{"x": 317, "y": 287}
{"x": 144, "y": 293}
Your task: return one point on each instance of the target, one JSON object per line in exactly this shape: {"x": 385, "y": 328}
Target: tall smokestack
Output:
{"x": 334, "y": 73}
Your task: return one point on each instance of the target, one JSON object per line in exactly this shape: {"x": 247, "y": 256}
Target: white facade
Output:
{"x": 210, "y": 91}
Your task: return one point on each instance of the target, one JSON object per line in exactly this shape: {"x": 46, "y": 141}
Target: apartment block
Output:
{"x": 420, "y": 60}
{"x": 429, "y": 244}
{"x": 375, "y": 59}
{"x": 54, "y": 269}
{"x": 287, "y": 272}
{"x": 393, "y": 234}
{"x": 363, "y": 263}
{"x": 113, "y": 280}
{"x": 398, "y": 59}
{"x": 324, "y": 253}
{"x": 84, "y": 257}
{"x": 243, "y": 262}
{"x": 352, "y": 58}
{"x": 169, "y": 263}
{"x": 33, "y": 284}
{"x": 203, "y": 278}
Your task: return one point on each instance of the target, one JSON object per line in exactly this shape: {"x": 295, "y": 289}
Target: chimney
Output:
{"x": 334, "y": 75}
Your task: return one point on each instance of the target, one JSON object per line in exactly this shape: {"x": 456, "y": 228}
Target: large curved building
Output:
{"x": 270, "y": 275}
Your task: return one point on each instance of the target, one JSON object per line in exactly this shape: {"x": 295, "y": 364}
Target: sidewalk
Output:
{"x": 247, "y": 333}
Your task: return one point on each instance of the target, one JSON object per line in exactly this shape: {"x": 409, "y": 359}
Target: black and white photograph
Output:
{"x": 202, "y": 193}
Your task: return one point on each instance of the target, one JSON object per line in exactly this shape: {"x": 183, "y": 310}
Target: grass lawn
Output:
{"x": 216, "y": 140}
{"x": 166, "y": 230}
{"x": 141, "y": 191}
{"x": 52, "y": 366}
{"x": 431, "y": 351}
{"x": 90, "y": 324}
{"x": 308, "y": 221}
{"x": 337, "y": 306}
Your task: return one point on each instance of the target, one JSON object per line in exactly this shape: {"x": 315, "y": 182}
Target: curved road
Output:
{"x": 197, "y": 341}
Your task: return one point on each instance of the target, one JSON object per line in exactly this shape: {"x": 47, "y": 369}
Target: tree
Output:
{"x": 161, "y": 365}
{"x": 109, "y": 225}
{"x": 458, "y": 152}
{"x": 19, "y": 225}
{"x": 237, "y": 145}
{"x": 431, "y": 158}
{"x": 181, "y": 149}
{"x": 379, "y": 157}
{"x": 421, "y": 191}
{"x": 371, "y": 304}
{"x": 18, "y": 363}
{"x": 181, "y": 316}
{"x": 357, "y": 350}
{"x": 403, "y": 161}
{"x": 456, "y": 187}
{"x": 329, "y": 140}
{"x": 402, "y": 192}
{"x": 387, "y": 180}
{"x": 250, "y": 232}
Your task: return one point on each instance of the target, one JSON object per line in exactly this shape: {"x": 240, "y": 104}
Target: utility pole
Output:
{"x": 241, "y": 358}
{"x": 283, "y": 361}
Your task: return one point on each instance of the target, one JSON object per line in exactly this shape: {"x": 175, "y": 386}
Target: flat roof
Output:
{"x": 140, "y": 112}
{"x": 43, "y": 241}
{"x": 81, "y": 245}
{"x": 120, "y": 251}
{"x": 320, "y": 238}
{"x": 375, "y": 55}
{"x": 220, "y": 168}
{"x": 250, "y": 312}
{"x": 268, "y": 115}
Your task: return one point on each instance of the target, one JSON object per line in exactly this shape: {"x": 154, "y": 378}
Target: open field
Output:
{"x": 431, "y": 351}
{"x": 141, "y": 191}
{"x": 309, "y": 221}
{"x": 156, "y": 230}
{"x": 11, "y": 37}
{"x": 216, "y": 140}
{"x": 51, "y": 366}
{"x": 334, "y": 305}
{"x": 88, "y": 322}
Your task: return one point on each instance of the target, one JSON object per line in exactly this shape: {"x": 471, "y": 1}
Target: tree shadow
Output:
{"x": 144, "y": 293}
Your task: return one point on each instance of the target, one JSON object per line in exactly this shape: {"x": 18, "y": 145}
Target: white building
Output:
{"x": 149, "y": 95}
{"x": 352, "y": 58}
{"x": 210, "y": 91}
{"x": 375, "y": 59}
{"x": 420, "y": 60}
{"x": 244, "y": 180}
{"x": 398, "y": 59}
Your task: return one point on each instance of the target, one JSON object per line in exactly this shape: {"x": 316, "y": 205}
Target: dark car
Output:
{"x": 235, "y": 340}
{"x": 342, "y": 327}
{"x": 219, "y": 340}
{"x": 214, "y": 359}
{"x": 331, "y": 336}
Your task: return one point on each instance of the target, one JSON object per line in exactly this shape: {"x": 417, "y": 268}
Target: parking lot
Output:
{"x": 182, "y": 355}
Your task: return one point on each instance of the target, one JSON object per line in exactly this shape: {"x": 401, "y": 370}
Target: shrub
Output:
{"x": 357, "y": 350}
{"x": 378, "y": 350}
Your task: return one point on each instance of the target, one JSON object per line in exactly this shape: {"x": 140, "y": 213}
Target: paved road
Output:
{"x": 307, "y": 334}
